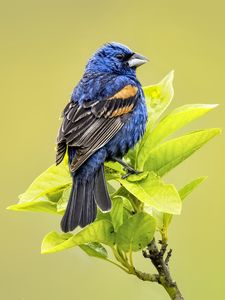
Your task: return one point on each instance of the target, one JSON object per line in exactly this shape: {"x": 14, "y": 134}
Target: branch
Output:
{"x": 164, "y": 277}
{"x": 146, "y": 276}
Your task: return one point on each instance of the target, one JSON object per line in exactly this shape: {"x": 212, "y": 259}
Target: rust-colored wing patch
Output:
{"x": 127, "y": 92}
{"x": 122, "y": 110}
{"x": 123, "y": 102}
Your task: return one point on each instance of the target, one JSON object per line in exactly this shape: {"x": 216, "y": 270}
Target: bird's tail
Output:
{"x": 81, "y": 208}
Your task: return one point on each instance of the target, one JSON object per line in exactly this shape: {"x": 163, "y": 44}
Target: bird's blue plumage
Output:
{"x": 107, "y": 73}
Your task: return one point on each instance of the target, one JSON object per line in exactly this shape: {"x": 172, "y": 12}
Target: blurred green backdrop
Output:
{"x": 44, "y": 47}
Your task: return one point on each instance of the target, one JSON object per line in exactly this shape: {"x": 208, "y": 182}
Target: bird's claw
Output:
{"x": 131, "y": 172}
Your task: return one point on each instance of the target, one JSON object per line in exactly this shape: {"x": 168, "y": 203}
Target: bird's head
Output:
{"x": 115, "y": 58}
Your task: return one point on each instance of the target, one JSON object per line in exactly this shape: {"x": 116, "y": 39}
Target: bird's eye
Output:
{"x": 120, "y": 56}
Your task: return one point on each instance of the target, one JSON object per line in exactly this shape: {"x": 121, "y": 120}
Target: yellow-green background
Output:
{"x": 44, "y": 47}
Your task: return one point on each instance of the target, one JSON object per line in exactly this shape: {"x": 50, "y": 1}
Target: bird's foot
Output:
{"x": 126, "y": 167}
{"x": 131, "y": 172}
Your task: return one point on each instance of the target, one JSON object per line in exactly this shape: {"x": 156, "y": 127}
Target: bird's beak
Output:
{"x": 137, "y": 60}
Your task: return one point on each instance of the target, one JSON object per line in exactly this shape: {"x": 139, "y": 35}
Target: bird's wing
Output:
{"x": 90, "y": 126}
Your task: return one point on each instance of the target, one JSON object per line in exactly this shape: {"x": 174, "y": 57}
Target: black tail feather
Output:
{"x": 101, "y": 193}
{"x": 72, "y": 215}
{"x": 84, "y": 212}
{"x": 81, "y": 208}
{"x": 65, "y": 225}
{"x": 93, "y": 211}
{"x": 89, "y": 208}
{"x": 78, "y": 204}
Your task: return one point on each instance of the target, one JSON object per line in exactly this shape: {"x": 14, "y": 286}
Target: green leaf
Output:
{"x": 95, "y": 250}
{"x": 112, "y": 187}
{"x": 177, "y": 119}
{"x": 41, "y": 205}
{"x": 128, "y": 206}
{"x": 136, "y": 232}
{"x": 158, "y": 98}
{"x": 53, "y": 240}
{"x": 188, "y": 188}
{"x": 184, "y": 192}
{"x": 43, "y": 194}
{"x": 155, "y": 193}
{"x": 115, "y": 166}
{"x": 113, "y": 170}
{"x": 45, "y": 203}
{"x": 54, "y": 178}
{"x": 168, "y": 155}
{"x": 116, "y": 212}
{"x": 130, "y": 157}
{"x": 137, "y": 177}
{"x": 101, "y": 231}
{"x": 103, "y": 216}
{"x": 158, "y": 215}
{"x": 62, "y": 203}
{"x": 164, "y": 219}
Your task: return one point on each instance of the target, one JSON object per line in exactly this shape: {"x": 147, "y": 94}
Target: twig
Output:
{"x": 163, "y": 248}
{"x": 146, "y": 276}
{"x": 164, "y": 277}
{"x": 116, "y": 264}
{"x": 168, "y": 257}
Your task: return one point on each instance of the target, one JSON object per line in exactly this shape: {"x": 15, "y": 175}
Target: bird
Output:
{"x": 105, "y": 117}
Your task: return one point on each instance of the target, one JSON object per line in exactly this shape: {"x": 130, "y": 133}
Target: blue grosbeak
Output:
{"x": 104, "y": 119}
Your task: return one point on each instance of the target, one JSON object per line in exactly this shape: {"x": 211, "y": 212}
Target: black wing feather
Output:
{"x": 90, "y": 126}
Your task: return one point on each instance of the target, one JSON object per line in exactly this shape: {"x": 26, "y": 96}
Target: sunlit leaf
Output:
{"x": 101, "y": 231}
{"x": 184, "y": 192}
{"x": 136, "y": 232}
{"x": 158, "y": 98}
{"x": 112, "y": 187}
{"x": 95, "y": 250}
{"x": 54, "y": 178}
{"x": 113, "y": 170}
{"x": 116, "y": 212}
{"x": 62, "y": 203}
{"x": 114, "y": 166}
{"x": 137, "y": 177}
{"x": 188, "y": 188}
{"x": 168, "y": 155}
{"x": 130, "y": 157}
{"x": 177, "y": 119}
{"x": 46, "y": 190}
{"x": 40, "y": 204}
{"x": 154, "y": 192}
{"x": 103, "y": 216}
